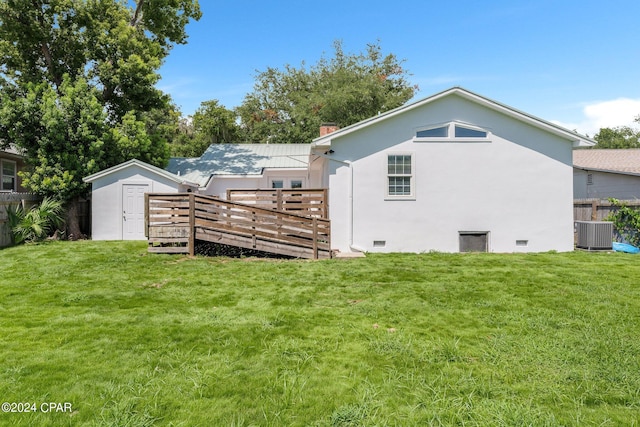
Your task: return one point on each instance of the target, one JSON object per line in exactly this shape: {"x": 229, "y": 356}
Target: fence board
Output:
{"x": 597, "y": 209}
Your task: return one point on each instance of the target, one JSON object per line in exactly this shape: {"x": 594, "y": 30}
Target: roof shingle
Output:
{"x": 610, "y": 160}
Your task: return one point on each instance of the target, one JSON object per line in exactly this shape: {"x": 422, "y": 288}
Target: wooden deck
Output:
{"x": 176, "y": 221}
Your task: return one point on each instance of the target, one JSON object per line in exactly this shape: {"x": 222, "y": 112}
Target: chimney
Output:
{"x": 327, "y": 128}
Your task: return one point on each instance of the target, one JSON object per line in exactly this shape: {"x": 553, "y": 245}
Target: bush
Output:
{"x": 626, "y": 221}
{"x": 37, "y": 223}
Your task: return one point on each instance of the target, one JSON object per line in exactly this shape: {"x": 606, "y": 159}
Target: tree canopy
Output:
{"x": 77, "y": 84}
{"x": 618, "y": 137}
{"x": 288, "y": 105}
{"x": 212, "y": 123}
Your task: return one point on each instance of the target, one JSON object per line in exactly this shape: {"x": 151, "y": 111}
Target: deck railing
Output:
{"x": 176, "y": 221}
{"x": 308, "y": 202}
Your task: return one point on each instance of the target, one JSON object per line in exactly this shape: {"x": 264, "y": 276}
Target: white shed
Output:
{"x": 117, "y": 200}
{"x": 452, "y": 172}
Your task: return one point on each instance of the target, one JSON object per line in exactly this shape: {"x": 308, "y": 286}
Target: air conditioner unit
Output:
{"x": 594, "y": 235}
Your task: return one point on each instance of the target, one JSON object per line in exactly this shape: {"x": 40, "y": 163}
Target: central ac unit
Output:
{"x": 594, "y": 235}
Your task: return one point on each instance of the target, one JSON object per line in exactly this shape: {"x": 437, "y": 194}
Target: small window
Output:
{"x": 277, "y": 183}
{"x": 462, "y": 132}
{"x": 8, "y": 172}
{"x": 590, "y": 179}
{"x": 399, "y": 174}
{"x": 441, "y": 132}
{"x": 379, "y": 243}
{"x": 296, "y": 183}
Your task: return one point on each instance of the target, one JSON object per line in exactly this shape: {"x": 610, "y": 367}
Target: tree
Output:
{"x": 76, "y": 81}
{"x": 169, "y": 127}
{"x": 619, "y": 137}
{"x": 212, "y": 123}
{"x": 288, "y": 106}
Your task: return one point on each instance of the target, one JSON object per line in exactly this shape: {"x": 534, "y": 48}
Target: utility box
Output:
{"x": 594, "y": 235}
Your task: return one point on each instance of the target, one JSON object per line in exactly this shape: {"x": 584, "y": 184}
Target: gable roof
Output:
{"x": 141, "y": 164}
{"x": 577, "y": 139}
{"x": 624, "y": 161}
{"x": 240, "y": 160}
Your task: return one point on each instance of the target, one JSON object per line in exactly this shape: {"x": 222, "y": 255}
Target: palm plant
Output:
{"x": 36, "y": 223}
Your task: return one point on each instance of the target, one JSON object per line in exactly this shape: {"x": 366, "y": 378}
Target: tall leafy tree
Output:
{"x": 212, "y": 123}
{"x": 288, "y": 105}
{"x": 77, "y": 85}
{"x": 618, "y": 137}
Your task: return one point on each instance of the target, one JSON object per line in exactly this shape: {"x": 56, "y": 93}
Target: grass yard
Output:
{"x": 128, "y": 338}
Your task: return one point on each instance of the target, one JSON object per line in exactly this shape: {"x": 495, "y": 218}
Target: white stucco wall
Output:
{"x": 517, "y": 186}
{"x": 604, "y": 185}
{"x": 106, "y": 198}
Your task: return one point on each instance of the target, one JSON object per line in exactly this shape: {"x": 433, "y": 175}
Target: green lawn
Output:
{"x": 134, "y": 339}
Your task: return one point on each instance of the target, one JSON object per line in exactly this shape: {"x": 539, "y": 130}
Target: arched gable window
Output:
{"x": 453, "y": 131}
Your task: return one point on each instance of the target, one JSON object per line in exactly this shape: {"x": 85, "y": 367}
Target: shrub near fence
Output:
{"x": 7, "y": 200}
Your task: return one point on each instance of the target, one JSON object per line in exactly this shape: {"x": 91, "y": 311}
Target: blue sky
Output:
{"x": 575, "y": 63}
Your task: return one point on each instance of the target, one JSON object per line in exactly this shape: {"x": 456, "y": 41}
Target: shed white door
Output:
{"x": 133, "y": 211}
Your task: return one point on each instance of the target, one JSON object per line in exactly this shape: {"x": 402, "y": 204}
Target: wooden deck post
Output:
{"x": 594, "y": 210}
{"x": 254, "y": 237}
{"x": 146, "y": 215}
{"x": 279, "y": 199}
{"x": 192, "y": 224}
{"x": 315, "y": 238}
{"x": 325, "y": 198}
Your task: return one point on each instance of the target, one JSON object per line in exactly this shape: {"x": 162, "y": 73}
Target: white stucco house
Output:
{"x": 452, "y": 172}
{"x": 605, "y": 173}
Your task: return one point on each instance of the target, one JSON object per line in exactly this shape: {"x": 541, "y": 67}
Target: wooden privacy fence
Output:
{"x": 8, "y": 200}
{"x": 597, "y": 209}
{"x": 307, "y": 202}
{"x": 176, "y": 221}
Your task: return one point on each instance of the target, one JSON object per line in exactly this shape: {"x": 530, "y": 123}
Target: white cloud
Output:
{"x": 601, "y": 114}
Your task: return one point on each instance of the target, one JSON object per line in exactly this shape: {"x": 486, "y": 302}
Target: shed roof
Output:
{"x": 240, "y": 160}
{"x": 141, "y": 164}
{"x": 625, "y": 161}
{"x": 577, "y": 139}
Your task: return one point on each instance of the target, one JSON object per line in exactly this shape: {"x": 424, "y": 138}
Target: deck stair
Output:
{"x": 175, "y": 221}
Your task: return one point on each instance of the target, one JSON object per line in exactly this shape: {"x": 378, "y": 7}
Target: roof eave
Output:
{"x": 588, "y": 169}
{"x": 146, "y": 166}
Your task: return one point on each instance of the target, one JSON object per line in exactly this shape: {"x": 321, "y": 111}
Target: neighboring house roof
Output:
{"x": 134, "y": 162}
{"x": 12, "y": 151}
{"x": 240, "y": 160}
{"x": 577, "y": 139}
{"x": 623, "y": 161}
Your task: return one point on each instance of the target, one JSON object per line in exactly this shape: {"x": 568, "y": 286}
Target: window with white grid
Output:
{"x": 399, "y": 175}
